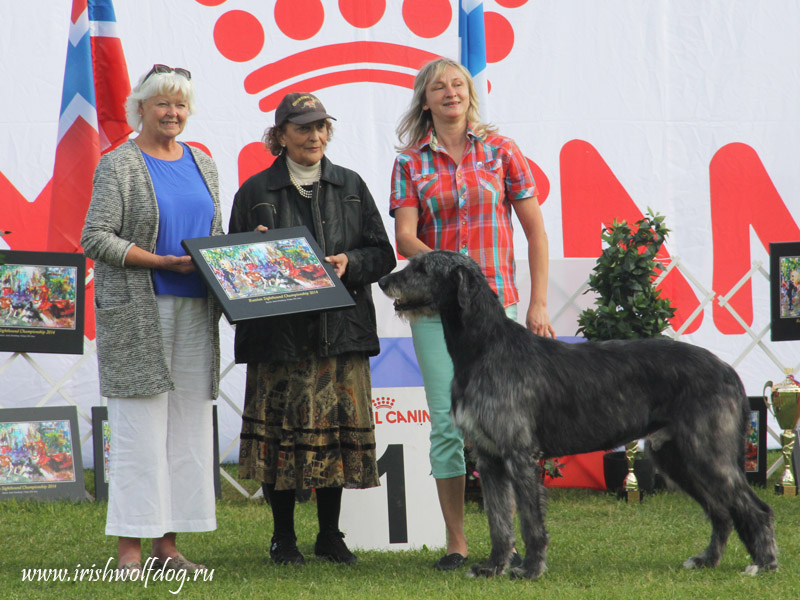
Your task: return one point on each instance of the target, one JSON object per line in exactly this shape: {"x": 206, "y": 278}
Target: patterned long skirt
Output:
{"x": 309, "y": 424}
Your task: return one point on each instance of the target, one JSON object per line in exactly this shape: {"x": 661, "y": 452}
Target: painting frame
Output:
{"x": 42, "y": 296}
{"x": 40, "y": 454}
{"x": 784, "y": 286}
{"x": 756, "y": 442}
{"x": 796, "y": 457}
{"x": 101, "y": 443}
{"x": 266, "y": 274}
{"x": 217, "y": 478}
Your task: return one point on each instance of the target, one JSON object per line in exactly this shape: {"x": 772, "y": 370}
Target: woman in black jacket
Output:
{"x": 307, "y": 420}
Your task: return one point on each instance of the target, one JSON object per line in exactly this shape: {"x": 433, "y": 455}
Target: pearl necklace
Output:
{"x": 300, "y": 189}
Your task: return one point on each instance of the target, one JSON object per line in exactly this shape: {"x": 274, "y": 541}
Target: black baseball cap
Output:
{"x": 300, "y": 108}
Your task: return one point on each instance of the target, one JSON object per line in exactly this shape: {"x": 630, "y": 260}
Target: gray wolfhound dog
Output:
{"x": 519, "y": 398}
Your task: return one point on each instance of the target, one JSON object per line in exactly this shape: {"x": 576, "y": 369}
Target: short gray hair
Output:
{"x": 154, "y": 85}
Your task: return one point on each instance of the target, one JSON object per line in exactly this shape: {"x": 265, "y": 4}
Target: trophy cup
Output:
{"x": 784, "y": 402}
{"x": 630, "y": 487}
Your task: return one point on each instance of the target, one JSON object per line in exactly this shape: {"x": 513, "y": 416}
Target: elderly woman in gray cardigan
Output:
{"x": 157, "y": 335}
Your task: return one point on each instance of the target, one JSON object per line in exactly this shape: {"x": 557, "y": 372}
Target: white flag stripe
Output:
{"x": 470, "y": 5}
{"x": 103, "y": 28}
{"x": 79, "y": 28}
{"x": 78, "y": 107}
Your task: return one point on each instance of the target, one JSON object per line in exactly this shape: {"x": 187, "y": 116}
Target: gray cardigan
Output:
{"x": 124, "y": 212}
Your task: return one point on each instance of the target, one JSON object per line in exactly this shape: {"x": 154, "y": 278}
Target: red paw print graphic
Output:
{"x": 241, "y": 37}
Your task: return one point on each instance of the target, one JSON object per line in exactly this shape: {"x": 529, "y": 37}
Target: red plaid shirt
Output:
{"x": 467, "y": 207}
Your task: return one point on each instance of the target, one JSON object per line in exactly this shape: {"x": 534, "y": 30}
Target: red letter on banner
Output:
{"x": 591, "y": 197}
{"x": 742, "y": 196}
{"x": 22, "y": 218}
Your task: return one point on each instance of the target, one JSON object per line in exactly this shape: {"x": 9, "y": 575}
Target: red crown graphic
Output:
{"x": 383, "y": 402}
{"x": 242, "y": 36}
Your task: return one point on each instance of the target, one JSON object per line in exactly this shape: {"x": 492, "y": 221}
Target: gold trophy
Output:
{"x": 784, "y": 402}
{"x": 630, "y": 487}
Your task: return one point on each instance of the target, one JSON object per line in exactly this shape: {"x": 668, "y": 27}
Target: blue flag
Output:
{"x": 473, "y": 49}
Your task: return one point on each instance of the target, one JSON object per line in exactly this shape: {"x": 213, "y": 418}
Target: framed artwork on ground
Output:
{"x": 101, "y": 436}
{"x": 40, "y": 453}
{"x": 257, "y": 274}
{"x": 42, "y": 301}
{"x": 217, "y": 480}
{"x": 755, "y": 462}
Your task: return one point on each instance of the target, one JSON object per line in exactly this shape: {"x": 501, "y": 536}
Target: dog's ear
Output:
{"x": 466, "y": 288}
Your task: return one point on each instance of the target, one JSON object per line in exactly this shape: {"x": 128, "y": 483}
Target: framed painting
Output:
{"x": 755, "y": 462}
{"x": 784, "y": 285}
{"x": 40, "y": 453}
{"x": 268, "y": 274}
{"x": 796, "y": 456}
{"x": 217, "y": 480}
{"x": 101, "y": 437}
{"x": 42, "y": 301}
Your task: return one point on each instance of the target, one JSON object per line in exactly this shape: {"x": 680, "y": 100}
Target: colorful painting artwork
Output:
{"x": 266, "y": 268}
{"x": 784, "y": 291}
{"x": 38, "y": 296}
{"x": 789, "y": 286}
{"x": 755, "y": 458}
{"x": 752, "y": 442}
{"x": 36, "y": 452}
{"x": 259, "y": 274}
{"x": 106, "y": 450}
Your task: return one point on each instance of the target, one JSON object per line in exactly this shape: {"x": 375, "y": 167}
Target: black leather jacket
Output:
{"x": 343, "y": 210}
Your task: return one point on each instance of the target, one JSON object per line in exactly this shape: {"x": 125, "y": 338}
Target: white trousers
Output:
{"x": 161, "y": 476}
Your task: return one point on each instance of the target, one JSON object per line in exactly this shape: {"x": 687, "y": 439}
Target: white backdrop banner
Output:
{"x": 686, "y": 107}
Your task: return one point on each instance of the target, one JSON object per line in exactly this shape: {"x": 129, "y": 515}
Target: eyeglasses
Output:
{"x": 168, "y": 69}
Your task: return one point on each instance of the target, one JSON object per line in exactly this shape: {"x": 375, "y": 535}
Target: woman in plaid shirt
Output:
{"x": 454, "y": 184}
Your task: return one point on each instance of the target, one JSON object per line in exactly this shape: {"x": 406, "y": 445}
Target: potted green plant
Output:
{"x": 628, "y": 306}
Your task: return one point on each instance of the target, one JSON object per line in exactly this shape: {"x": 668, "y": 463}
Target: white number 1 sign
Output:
{"x": 403, "y": 513}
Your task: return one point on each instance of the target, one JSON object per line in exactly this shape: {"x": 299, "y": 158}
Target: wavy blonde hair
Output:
{"x": 416, "y": 121}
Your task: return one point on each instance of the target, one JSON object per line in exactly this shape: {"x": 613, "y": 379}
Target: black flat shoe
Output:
{"x": 330, "y": 546}
{"x": 450, "y": 562}
{"x": 283, "y": 551}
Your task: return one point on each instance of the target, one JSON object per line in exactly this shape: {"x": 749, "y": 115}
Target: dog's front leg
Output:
{"x": 497, "y": 501}
{"x": 529, "y": 492}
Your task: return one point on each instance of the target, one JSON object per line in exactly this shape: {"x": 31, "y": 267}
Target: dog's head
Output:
{"x": 431, "y": 280}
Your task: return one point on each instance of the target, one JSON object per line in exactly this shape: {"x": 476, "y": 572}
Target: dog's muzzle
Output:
{"x": 410, "y": 306}
{"x": 401, "y": 305}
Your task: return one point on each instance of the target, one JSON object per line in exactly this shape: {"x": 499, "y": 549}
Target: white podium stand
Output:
{"x": 403, "y": 513}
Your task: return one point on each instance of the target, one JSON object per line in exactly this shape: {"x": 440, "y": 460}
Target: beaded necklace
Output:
{"x": 305, "y": 193}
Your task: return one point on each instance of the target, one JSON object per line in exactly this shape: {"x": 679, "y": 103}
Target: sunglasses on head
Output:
{"x": 168, "y": 69}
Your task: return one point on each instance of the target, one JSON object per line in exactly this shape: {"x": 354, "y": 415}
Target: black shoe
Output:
{"x": 283, "y": 551}
{"x": 330, "y": 546}
{"x": 450, "y": 562}
{"x": 516, "y": 560}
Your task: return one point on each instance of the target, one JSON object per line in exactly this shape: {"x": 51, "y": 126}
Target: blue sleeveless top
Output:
{"x": 185, "y": 210}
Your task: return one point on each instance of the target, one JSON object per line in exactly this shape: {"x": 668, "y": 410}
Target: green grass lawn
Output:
{"x": 599, "y": 548}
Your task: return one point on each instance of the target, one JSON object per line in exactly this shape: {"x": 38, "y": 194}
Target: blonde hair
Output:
{"x": 155, "y": 85}
{"x": 416, "y": 121}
